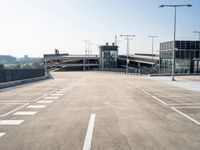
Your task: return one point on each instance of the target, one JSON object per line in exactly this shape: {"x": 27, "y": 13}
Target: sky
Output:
{"x": 36, "y": 27}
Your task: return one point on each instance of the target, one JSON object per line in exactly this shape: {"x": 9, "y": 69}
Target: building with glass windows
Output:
{"x": 187, "y": 57}
{"x": 108, "y": 56}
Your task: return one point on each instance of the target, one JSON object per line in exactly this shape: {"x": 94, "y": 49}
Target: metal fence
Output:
{"x": 20, "y": 74}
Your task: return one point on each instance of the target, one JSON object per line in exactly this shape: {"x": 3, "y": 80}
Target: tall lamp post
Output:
{"x": 198, "y": 33}
{"x": 86, "y": 52}
{"x": 152, "y": 38}
{"x": 127, "y": 52}
{"x": 174, "y": 46}
{"x": 89, "y": 53}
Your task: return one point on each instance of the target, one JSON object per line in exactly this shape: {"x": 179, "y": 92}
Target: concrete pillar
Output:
{"x": 84, "y": 64}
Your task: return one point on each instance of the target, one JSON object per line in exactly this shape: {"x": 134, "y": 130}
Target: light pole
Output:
{"x": 198, "y": 33}
{"x": 89, "y": 50}
{"x": 174, "y": 46}
{"x": 127, "y": 52}
{"x": 152, "y": 38}
{"x": 45, "y": 66}
{"x": 86, "y": 51}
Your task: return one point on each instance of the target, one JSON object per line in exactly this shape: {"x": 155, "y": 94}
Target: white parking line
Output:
{"x": 51, "y": 97}
{"x": 45, "y": 95}
{"x": 44, "y": 101}
{"x": 88, "y": 138}
{"x": 137, "y": 87}
{"x": 159, "y": 100}
{"x": 146, "y": 92}
{"x": 149, "y": 94}
{"x": 26, "y": 113}
{"x": 36, "y": 106}
{"x": 11, "y": 122}
{"x": 57, "y": 94}
{"x": 2, "y": 134}
{"x": 193, "y": 120}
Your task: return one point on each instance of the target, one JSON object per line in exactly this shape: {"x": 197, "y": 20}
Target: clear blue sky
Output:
{"x": 35, "y": 27}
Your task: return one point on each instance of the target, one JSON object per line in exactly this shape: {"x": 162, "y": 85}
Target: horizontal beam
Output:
{"x": 71, "y": 65}
{"x": 70, "y": 58}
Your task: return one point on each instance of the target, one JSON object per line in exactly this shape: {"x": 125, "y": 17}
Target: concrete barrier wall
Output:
{"x": 20, "y": 74}
{"x": 19, "y": 82}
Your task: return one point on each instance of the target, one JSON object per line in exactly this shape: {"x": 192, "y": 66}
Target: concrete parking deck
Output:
{"x": 99, "y": 111}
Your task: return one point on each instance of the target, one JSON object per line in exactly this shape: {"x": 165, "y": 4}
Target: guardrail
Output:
{"x": 8, "y": 75}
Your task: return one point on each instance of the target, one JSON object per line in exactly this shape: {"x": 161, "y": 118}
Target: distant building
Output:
{"x": 187, "y": 57}
{"x": 108, "y": 56}
{"x": 64, "y": 61}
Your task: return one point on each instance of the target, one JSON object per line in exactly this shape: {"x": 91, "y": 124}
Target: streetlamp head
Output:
{"x": 185, "y": 5}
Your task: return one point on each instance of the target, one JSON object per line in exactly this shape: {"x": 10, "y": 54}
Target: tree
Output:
{"x": 1, "y": 66}
{"x": 26, "y": 66}
{"x": 39, "y": 64}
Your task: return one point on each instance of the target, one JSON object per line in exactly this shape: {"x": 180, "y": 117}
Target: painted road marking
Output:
{"x": 137, "y": 87}
{"x": 26, "y": 113}
{"x": 2, "y": 134}
{"x": 159, "y": 100}
{"x": 88, "y": 138}
{"x": 11, "y": 122}
{"x": 44, "y": 101}
{"x": 57, "y": 94}
{"x": 14, "y": 110}
{"x": 193, "y": 120}
{"x": 36, "y": 106}
{"x": 45, "y": 95}
{"x": 146, "y": 92}
{"x": 51, "y": 97}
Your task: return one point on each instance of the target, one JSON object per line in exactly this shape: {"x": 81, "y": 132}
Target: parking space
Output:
{"x": 190, "y": 112}
{"x": 8, "y": 108}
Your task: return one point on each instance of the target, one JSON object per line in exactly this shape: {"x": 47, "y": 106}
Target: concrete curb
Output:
{"x": 157, "y": 75}
{"x": 19, "y": 82}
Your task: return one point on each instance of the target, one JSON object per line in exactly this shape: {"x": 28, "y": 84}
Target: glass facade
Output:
{"x": 187, "y": 57}
{"x": 108, "y": 56}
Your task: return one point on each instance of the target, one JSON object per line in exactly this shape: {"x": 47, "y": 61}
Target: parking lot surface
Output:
{"x": 100, "y": 111}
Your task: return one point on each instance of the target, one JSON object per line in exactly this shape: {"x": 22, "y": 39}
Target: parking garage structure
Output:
{"x": 187, "y": 57}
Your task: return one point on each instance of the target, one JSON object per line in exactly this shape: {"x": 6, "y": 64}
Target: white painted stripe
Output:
{"x": 135, "y": 85}
{"x": 36, "y": 106}
{"x": 2, "y": 134}
{"x": 159, "y": 100}
{"x": 198, "y": 123}
{"x": 88, "y": 138}
{"x": 44, "y": 101}
{"x": 45, "y": 95}
{"x": 26, "y": 113}
{"x": 14, "y": 110}
{"x": 138, "y": 87}
{"x": 11, "y": 122}
{"x": 146, "y": 92}
{"x": 57, "y": 94}
{"x": 51, "y": 97}
{"x": 60, "y": 93}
